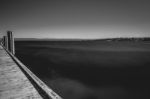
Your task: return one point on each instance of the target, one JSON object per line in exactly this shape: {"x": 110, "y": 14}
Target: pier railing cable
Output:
{"x": 39, "y": 85}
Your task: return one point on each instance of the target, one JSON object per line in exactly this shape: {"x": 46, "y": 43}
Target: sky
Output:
{"x": 75, "y": 18}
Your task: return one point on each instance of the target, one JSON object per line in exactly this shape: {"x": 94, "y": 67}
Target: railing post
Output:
{"x": 11, "y": 46}
{"x": 5, "y": 42}
{"x": 2, "y": 41}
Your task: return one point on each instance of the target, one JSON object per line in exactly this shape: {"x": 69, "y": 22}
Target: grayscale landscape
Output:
{"x": 83, "y": 49}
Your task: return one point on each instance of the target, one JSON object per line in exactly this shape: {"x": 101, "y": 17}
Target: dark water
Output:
{"x": 90, "y": 70}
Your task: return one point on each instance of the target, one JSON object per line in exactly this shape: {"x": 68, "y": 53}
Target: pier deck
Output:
{"x": 13, "y": 83}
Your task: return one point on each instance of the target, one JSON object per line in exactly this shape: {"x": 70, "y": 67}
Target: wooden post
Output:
{"x": 5, "y": 41}
{"x": 2, "y": 41}
{"x": 11, "y": 46}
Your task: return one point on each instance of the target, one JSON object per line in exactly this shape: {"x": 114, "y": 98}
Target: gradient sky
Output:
{"x": 75, "y": 18}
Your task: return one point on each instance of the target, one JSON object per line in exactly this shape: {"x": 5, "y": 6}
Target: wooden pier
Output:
{"x": 13, "y": 83}
{"x": 16, "y": 80}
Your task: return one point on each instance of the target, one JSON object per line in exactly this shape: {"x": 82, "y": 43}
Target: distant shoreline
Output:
{"x": 103, "y": 39}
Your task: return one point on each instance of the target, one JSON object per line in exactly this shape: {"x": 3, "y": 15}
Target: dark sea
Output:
{"x": 90, "y": 69}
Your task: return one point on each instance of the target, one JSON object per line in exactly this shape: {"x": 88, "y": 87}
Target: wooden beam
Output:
{"x": 11, "y": 45}
{"x": 5, "y": 42}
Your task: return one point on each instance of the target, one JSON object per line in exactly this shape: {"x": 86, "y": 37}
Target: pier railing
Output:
{"x": 46, "y": 92}
{"x": 8, "y": 42}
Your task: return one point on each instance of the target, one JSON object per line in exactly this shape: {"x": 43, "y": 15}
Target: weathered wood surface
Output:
{"x": 13, "y": 83}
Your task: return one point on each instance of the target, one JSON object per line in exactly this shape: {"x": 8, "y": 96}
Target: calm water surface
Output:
{"x": 90, "y": 70}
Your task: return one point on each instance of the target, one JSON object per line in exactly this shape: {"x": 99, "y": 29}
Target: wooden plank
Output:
{"x": 13, "y": 83}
